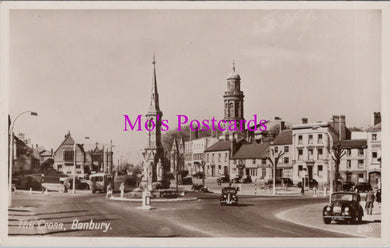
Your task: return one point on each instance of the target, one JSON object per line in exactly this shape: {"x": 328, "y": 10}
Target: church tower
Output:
{"x": 154, "y": 151}
{"x": 234, "y": 104}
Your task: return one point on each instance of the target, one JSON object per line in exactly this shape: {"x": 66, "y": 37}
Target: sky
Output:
{"x": 82, "y": 70}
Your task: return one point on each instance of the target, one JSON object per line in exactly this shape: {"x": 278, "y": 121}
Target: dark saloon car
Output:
{"x": 186, "y": 181}
{"x": 362, "y": 187}
{"x": 229, "y": 196}
{"x": 223, "y": 179}
{"x": 344, "y": 206}
{"x": 348, "y": 186}
{"x": 312, "y": 184}
{"x": 198, "y": 175}
{"x": 246, "y": 179}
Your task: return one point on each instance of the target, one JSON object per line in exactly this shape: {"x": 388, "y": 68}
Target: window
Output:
{"x": 78, "y": 166}
{"x": 300, "y": 169}
{"x": 319, "y": 170}
{"x": 263, "y": 161}
{"x": 361, "y": 175}
{"x": 348, "y": 164}
{"x": 219, "y": 167}
{"x": 263, "y": 172}
{"x": 286, "y": 160}
{"x": 253, "y": 161}
{"x": 276, "y": 149}
{"x": 373, "y": 137}
{"x": 361, "y": 152}
{"x": 311, "y": 153}
{"x": 68, "y": 156}
{"x": 300, "y": 154}
{"x": 68, "y": 172}
{"x": 226, "y": 155}
{"x": 374, "y": 154}
{"x": 361, "y": 164}
{"x": 300, "y": 140}
{"x": 286, "y": 149}
{"x": 280, "y": 160}
{"x": 319, "y": 153}
{"x": 219, "y": 157}
{"x": 348, "y": 152}
{"x": 320, "y": 138}
{"x": 310, "y": 139}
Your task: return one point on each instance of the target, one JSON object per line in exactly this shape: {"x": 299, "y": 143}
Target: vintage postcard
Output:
{"x": 199, "y": 124}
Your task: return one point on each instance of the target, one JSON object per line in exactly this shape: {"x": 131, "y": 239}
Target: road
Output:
{"x": 253, "y": 217}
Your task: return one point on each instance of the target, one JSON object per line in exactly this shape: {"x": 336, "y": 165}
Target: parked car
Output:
{"x": 169, "y": 175}
{"x": 279, "y": 181}
{"x": 200, "y": 188}
{"x": 33, "y": 181}
{"x": 236, "y": 179}
{"x": 81, "y": 184}
{"x": 198, "y": 175}
{"x": 223, "y": 179}
{"x": 362, "y": 187}
{"x": 186, "y": 181}
{"x": 344, "y": 206}
{"x": 312, "y": 184}
{"x": 246, "y": 179}
{"x": 348, "y": 186}
{"x": 229, "y": 196}
{"x": 100, "y": 181}
{"x": 286, "y": 181}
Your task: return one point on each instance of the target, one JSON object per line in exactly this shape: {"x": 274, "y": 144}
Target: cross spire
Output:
{"x": 154, "y": 101}
{"x": 234, "y": 66}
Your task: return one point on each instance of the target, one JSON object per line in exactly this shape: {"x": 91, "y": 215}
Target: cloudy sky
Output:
{"x": 83, "y": 70}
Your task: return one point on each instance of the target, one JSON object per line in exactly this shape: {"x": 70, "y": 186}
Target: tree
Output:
{"x": 274, "y": 157}
{"x": 337, "y": 153}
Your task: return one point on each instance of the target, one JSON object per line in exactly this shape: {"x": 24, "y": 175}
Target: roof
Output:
{"x": 284, "y": 138}
{"x": 358, "y": 143}
{"x": 222, "y": 145}
{"x": 252, "y": 150}
{"x": 375, "y": 128}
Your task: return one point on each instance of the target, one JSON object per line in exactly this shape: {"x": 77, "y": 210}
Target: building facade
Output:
{"x": 374, "y": 151}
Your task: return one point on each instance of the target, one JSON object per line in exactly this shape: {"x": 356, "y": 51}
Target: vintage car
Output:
{"x": 344, "y": 206}
{"x": 223, "y": 179}
{"x": 362, "y": 187}
{"x": 100, "y": 181}
{"x": 229, "y": 196}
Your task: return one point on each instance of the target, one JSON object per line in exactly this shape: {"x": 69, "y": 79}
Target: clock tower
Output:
{"x": 234, "y": 104}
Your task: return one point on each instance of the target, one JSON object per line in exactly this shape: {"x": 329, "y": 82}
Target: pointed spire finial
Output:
{"x": 154, "y": 59}
{"x": 234, "y": 66}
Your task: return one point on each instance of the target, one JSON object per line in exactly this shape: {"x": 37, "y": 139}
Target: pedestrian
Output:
{"x": 122, "y": 189}
{"x": 379, "y": 197}
{"x": 370, "y": 198}
{"x": 109, "y": 191}
{"x": 302, "y": 190}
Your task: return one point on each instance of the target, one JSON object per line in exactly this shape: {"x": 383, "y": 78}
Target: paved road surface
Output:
{"x": 253, "y": 217}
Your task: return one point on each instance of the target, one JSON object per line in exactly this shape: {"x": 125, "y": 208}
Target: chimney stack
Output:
{"x": 304, "y": 120}
{"x": 282, "y": 126}
{"x": 377, "y": 118}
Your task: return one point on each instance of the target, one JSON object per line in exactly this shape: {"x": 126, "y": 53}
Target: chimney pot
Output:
{"x": 377, "y": 118}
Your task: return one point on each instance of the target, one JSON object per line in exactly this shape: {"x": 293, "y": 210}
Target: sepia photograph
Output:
{"x": 231, "y": 120}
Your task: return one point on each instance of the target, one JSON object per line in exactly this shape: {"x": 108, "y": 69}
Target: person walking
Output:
{"x": 122, "y": 189}
{"x": 370, "y": 198}
{"x": 378, "y": 197}
{"x": 109, "y": 191}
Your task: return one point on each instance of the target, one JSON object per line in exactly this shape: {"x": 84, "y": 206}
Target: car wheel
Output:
{"x": 326, "y": 220}
{"x": 93, "y": 191}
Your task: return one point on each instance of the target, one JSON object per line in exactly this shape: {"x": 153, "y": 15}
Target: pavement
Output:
{"x": 311, "y": 216}
{"x": 67, "y": 215}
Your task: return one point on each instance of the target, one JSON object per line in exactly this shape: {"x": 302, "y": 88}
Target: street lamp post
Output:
{"x": 74, "y": 165}
{"x": 11, "y": 158}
